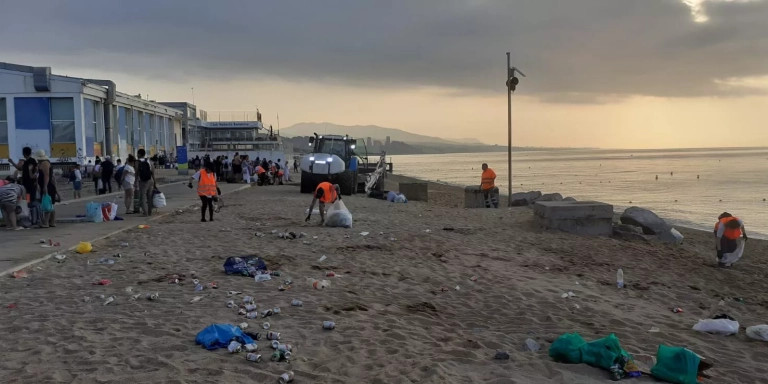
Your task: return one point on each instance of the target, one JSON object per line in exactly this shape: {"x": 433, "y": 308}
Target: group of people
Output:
{"x": 241, "y": 167}
{"x": 33, "y": 185}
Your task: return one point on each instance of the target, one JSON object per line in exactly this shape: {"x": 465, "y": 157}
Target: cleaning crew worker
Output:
{"x": 728, "y": 229}
{"x": 261, "y": 175}
{"x": 486, "y": 185}
{"x": 327, "y": 193}
{"x": 206, "y": 188}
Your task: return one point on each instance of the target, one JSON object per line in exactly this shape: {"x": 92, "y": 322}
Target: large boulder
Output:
{"x": 521, "y": 199}
{"x": 651, "y": 224}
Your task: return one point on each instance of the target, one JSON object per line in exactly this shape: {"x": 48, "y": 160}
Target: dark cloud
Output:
{"x": 588, "y": 50}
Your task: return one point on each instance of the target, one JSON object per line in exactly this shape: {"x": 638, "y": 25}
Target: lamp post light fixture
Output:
{"x": 512, "y": 82}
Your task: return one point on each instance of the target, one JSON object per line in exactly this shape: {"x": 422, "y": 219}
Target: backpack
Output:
{"x": 119, "y": 174}
{"x": 145, "y": 172}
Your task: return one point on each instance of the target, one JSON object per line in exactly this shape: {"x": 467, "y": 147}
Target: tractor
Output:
{"x": 334, "y": 159}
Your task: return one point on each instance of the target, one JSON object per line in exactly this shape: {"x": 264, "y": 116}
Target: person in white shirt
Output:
{"x": 128, "y": 181}
{"x": 77, "y": 184}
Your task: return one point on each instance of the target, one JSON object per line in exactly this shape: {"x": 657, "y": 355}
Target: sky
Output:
{"x": 600, "y": 73}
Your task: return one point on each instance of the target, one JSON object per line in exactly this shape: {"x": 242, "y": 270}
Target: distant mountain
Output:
{"x": 364, "y": 131}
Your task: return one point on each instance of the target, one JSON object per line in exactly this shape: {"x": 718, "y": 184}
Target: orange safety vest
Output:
{"x": 487, "y": 179}
{"x": 259, "y": 170}
{"x": 728, "y": 233}
{"x": 329, "y": 192}
{"x": 206, "y": 186}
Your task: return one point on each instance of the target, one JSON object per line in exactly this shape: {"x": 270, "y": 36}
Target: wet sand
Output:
{"x": 399, "y": 317}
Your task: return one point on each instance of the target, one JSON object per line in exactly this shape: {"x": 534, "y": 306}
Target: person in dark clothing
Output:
{"x": 28, "y": 168}
{"x": 96, "y": 174}
{"x": 107, "y": 171}
{"x": 46, "y": 185}
{"x": 295, "y": 165}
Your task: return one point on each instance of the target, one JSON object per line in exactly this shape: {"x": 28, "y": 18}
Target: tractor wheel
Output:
{"x": 308, "y": 183}
{"x": 347, "y": 182}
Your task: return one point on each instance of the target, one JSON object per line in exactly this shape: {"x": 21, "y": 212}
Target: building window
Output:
{"x": 3, "y": 122}
{"x": 62, "y": 120}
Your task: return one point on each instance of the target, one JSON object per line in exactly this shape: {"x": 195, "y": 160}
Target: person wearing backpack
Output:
{"x": 146, "y": 182}
{"x": 107, "y": 171}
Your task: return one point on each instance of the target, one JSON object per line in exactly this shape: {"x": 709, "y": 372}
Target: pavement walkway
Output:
{"x": 19, "y": 249}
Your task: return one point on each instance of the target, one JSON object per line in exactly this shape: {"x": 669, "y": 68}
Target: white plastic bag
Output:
{"x": 158, "y": 200}
{"x": 24, "y": 210}
{"x": 338, "y": 216}
{"x": 758, "y": 332}
{"x": 717, "y": 326}
{"x": 730, "y": 258}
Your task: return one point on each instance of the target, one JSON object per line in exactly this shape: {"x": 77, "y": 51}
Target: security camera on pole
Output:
{"x": 512, "y": 82}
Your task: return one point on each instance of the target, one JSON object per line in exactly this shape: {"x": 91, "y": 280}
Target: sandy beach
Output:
{"x": 404, "y": 301}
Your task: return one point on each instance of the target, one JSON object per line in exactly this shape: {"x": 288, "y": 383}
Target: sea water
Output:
{"x": 693, "y": 187}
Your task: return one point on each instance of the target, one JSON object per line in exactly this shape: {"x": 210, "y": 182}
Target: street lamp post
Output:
{"x": 512, "y": 82}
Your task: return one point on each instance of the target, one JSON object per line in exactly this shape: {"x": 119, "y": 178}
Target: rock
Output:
{"x": 550, "y": 197}
{"x": 520, "y": 199}
{"x": 651, "y": 224}
{"x": 629, "y": 232}
{"x": 569, "y": 199}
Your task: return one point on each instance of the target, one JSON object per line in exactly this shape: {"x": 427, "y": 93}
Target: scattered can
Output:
{"x": 250, "y": 315}
{"x": 265, "y": 325}
{"x": 234, "y": 347}
{"x": 276, "y": 356}
{"x": 153, "y": 296}
{"x": 248, "y": 300}
{"x": 275, "y": 273}
{"x": 297, "y": 303}
{"x": 677, "y": 310}
{"x": 243, "y": 325}
{"x": 285, "y": 348}
{"x": 255, "y": 357}
{"x": 265, "y": 313}
{"x": 330, "y": 274}
{"x": 250, "y": 347}
{"x": 275, "y": 344}
{"x": 273, "y": 336}
{"x": 285, "y": 378}
{"x": 250, "y": 307}
{"x": 276, "y": 310}
{"x": 286, "y": 354}
{"x": 329, "y": 325}
{"x": 231, "y": 304}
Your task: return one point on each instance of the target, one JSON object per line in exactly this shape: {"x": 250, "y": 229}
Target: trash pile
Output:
{"x": 338, "y": 216}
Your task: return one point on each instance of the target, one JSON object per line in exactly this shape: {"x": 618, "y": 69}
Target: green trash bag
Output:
{"x": 676, "y": 365}
{"x": 602, "y": 353}
{"x": 567, "y": 348}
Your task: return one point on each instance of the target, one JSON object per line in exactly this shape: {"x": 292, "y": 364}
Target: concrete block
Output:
{"x": 415, "y": 191}
{"x": 474, "y": 197}
{"x": 579, "y": 217}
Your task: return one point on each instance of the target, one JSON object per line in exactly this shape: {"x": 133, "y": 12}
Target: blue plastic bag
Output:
{"x": 219, "y": 335}
{"x": 244, "y": 265}
{"x": 93, "y": 212}
{"x": 47, "y": 204}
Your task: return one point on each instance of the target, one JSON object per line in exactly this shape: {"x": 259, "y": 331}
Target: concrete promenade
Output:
{"x": 19, "y": 249}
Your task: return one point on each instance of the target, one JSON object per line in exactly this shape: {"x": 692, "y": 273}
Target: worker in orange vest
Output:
{"x": 326, "y": 193}
{"x": 488, "y": 187}
{"x": 728, "y": 229}
{"x": 206, "y": 188}
{"x": 261, "y": 174}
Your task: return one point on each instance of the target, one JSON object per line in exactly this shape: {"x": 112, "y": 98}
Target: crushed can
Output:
{"x": 248, "y": 300}
{"x": 250, "y": 307}
{"x": 276, "y": 356}
{"x": 255, "y": 357}
{"x": 285, "y": 378}
{"x": 329, "y": 325}
{"x": 241, "y": 311}
{"x": 251, "y": 315}
{"x": 265, "y": 313}
{"x": 250, "y": 347}
{"x": 231, "y": 304}
{"x": 243, "y": 325}
{"x": 234, "y": 347}
{"x": 273, "y": 336}
{"x": 297, "y": 303}
{"x": 275, "y": 310}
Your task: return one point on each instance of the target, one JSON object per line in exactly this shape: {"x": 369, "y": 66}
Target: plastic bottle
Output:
{"x": 620, "y": 278}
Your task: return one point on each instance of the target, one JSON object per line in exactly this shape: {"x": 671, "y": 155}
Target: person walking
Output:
{"x": 295, "y": 165}
{"x": 206, "y": 189}
{"x": 46, "y": 184}
{"x": 96, "y": 174}
{"x": 487, "y": 186}
{"x": 326, "y": 193}
{"x": 107, "y": 170}
{"x": 287, "y": 174}
{"x": 728, "y": 230}
{"x": 146, "y": 182}
{"x": 77, "y": 182}
{"x": 128, "y": 182}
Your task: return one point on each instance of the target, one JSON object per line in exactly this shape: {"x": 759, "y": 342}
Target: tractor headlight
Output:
{"x": 312, "y": 158}
{"x": 329, "y": 159}
{"x": 352, "y": 146}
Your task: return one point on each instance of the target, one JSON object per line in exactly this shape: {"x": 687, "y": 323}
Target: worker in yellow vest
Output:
{"x": 206, "y": 188}
{"x": 487, "y": 186}
{"x": 326, "y": 193}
